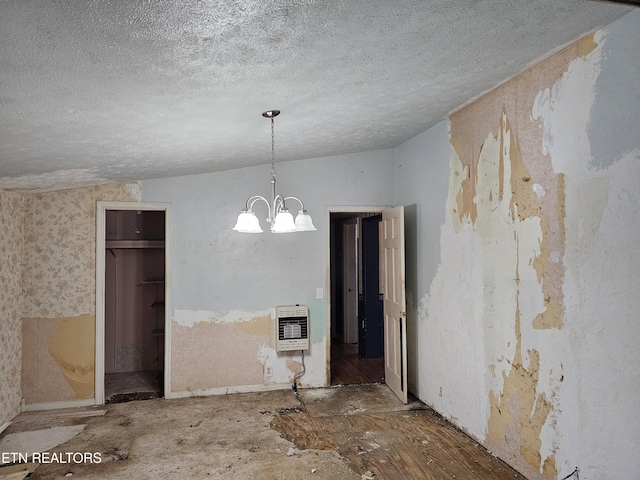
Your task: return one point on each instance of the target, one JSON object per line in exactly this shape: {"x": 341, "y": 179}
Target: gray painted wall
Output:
{"x": 599, "y": 154}
{"x": 421, "y": 184}
{"x": 591, "y": 134}
{"x": 224, "y": 276}
{"x": 617, "y": 95}
{"x": 215, "y": 268}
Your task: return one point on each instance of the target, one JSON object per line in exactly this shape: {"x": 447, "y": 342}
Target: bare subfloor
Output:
{"x": 350, "y": 432}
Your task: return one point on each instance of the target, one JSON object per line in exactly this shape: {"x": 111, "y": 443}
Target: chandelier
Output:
{"x": 279, "y": 218}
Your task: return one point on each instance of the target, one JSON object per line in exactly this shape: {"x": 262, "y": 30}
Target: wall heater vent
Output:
{"x": 293, "y": 328}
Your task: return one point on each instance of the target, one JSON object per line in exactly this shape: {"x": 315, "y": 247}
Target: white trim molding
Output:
{"x": 102, "y": 208}
{"x": 33, "y": 407}
{"x": 329, "y": 210}
{"x": 206, "y": 392}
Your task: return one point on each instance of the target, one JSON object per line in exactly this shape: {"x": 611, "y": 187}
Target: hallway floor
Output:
{"x": 350, "y": 432}
{"x": 348, "y": 368}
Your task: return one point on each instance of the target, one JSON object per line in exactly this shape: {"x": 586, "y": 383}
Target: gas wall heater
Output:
{"x": 293, "y": 328}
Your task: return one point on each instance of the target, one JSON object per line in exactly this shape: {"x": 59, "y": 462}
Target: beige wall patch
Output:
{"x": 72, "y": 347}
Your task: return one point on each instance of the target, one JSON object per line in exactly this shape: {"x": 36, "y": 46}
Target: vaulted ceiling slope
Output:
{"x": 111, "y": 91}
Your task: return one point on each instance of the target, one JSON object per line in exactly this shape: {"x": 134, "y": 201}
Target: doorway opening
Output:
{"x": 131, "y": 314}
{"x": 357, "y": 319}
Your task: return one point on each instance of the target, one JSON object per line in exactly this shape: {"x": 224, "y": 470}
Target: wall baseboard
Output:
{"x": 229, "y": 390}
{"x": 31, "y": 407}
{"x": 206, "y": 392}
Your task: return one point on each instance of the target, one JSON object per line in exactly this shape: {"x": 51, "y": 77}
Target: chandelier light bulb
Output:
{"x": 279, "y": 218}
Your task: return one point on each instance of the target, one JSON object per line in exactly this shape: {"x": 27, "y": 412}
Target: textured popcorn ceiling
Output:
{"x": 110, "y": 91}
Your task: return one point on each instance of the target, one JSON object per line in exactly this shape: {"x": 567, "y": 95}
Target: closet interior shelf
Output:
{"x": 151, "y": 281}
{"x": 134, "y": 244}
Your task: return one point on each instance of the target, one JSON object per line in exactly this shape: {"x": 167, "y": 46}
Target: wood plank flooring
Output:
{"x": 388, "y": 440}
{"x": 347, "y": 368}
{"x": 411, "y": 445}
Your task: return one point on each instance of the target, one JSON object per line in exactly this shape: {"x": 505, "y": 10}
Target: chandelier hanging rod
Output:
{"x": 279, "y": 218}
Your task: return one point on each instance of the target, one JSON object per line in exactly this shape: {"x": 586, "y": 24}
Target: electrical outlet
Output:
{"x": 268, "y": 371}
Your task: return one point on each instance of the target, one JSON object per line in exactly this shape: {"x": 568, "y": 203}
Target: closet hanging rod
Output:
{"x": 134, "y": 244}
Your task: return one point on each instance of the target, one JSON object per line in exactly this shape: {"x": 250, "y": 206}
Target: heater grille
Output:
{"x": 293, "y": 328}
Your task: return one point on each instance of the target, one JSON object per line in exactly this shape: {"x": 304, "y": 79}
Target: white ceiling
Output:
{"x": 96, "y": 91}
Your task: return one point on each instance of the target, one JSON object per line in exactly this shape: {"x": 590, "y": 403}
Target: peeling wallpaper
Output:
{"x": 11, "y": 251}
{"x": 210, "y": 351}
{"x": 526, "y": 330}
{"x": 504, "y": 242}
{"x": 58, "y": 316}
{"x": 522, "y": 268}
{"x": 510, "y": 225}
{"x": 211, "y": 355}
{"x": 232, "y": 347}
{"x": 590, "y": 119}
{"x": 215, "y": 353}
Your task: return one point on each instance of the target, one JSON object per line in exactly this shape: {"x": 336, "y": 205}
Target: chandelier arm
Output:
{"x": 279, "y": 217}
{"x": 297, "y": 199}
{"x": 253, "y": 199}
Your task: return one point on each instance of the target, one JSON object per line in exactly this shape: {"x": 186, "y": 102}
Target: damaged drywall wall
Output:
{"x": 526, "y": 329}
{"x": 73, "y": 350}
{"x": 58, "y": 358}
{"x": 212, "y": 352}
{"x": 589, "y": 118}
{"x": 42, "y": 379}
{"x": 511, "y": 253}
{"x": 511, "y": 228}
{"x": 58, "y": 317}
{"x": 209, "y": 352}
{"x": 11, "y": 257}
{"x": 494, "y": 313}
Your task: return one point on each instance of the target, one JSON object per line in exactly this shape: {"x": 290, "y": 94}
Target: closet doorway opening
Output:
{"x": 357, "y": 320}
{"x": 131, "y": 314}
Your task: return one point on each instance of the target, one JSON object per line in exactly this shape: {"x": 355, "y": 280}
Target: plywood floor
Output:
{"x": 379, "y": 435}
{"x": 348, "y": 432}
{"x": 226, "y": 437}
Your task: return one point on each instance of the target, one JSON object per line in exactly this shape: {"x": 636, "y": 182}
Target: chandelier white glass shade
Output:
{"x": 280, "y": 219}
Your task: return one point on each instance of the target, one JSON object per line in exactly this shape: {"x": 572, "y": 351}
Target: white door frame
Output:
{"x": 338, "y": 209}
{"x": 101, "y": 215}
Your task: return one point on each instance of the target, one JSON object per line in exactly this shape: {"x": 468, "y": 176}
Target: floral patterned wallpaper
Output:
{"x": 11, "y": 215}
{"x": 60, "y": 241}
{"x": 58, "y": 271}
